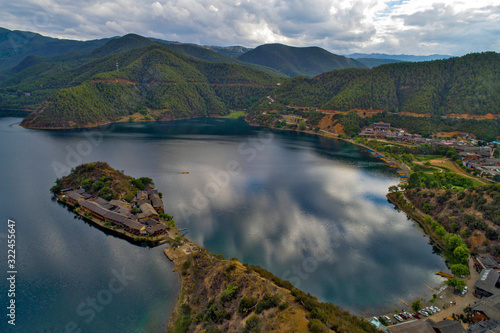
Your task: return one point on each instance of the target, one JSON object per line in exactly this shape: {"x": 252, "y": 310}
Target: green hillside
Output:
{"x": 17, "y": 45}
{"x": 466, "y": 85}
{"x": 153, "y": 80}
{"x": 41, "y": 76}
{"x": 294, "y": 61}
{"x": 214, "y": 55}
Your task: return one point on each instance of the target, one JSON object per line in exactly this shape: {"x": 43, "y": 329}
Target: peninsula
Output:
{"x": 217, "y": 295}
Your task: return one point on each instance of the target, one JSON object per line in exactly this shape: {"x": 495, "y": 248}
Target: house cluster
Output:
{"x": 139, "y": 217}
{"x": 477, "y": 158}
{"x": 428, "y": 326}
{"x": 486, "y": 311}
{"x": 386, "y": 131}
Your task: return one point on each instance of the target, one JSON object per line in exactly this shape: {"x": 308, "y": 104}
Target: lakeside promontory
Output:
{"x": 217, "y": 295}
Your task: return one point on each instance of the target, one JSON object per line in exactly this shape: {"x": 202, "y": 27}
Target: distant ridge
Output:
{"x": 374, "y": 62}
{"x": 400, "y": 57}
{"x": 294, "y": 61}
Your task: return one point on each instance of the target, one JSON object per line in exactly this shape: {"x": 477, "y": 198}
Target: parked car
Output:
{"x": 388, "y": 319}
{"x": 464, "y": 291}
{"x": 423, "y": 313}
{"x": 430, "y": 310}
{"x": 398, "y": 318}
{"x": 416, "y": 315}
{"x": 404, "y": 316}
{"x": 436, "y": 308}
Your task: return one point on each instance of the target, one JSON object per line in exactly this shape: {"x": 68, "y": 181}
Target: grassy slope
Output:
{"x": 471, "y": 213}
{"x": 202, "y": 306}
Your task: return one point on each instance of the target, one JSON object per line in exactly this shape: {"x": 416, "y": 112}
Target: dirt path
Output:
{"x": 449, "y": 164}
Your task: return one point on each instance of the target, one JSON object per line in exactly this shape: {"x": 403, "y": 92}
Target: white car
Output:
{"x": 423, "y": 313}
{"x": 387, "y": 318}
{"x": 398, "y": 318}
{"x": 464, "y": 291}
{"x": 436, "y": 308}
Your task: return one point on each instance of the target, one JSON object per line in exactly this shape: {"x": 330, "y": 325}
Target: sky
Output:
{"x": 419, "y": 27}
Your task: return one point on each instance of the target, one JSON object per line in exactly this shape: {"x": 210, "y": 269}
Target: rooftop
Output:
{"x": 415, "y": 326}
{"x": 487, "y": 281}
{"x": 489, "y": 306}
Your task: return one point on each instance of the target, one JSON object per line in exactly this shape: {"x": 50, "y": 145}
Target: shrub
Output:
{"x": 246, "y": 305}
{"x": 316, "y": 326}
{"x": 267, "y": 302}
{"x": 228, "y": 293}
{"x": 252, "y": 324}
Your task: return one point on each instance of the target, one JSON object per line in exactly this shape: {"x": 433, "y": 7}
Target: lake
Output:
{"x": 309, "y": 209}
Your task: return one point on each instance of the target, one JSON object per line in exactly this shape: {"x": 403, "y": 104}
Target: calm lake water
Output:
{"x": 309, "y": 209}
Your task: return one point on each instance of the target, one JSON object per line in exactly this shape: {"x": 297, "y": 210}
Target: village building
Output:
{"x": 115, "y": 218}
{"x": 153, "y": 191}
{"x": 369, "y": 132}
{"x": 103, "y": 203}
{"x": 488, "y": 326}
{"x": 156, "y": 201}
{"x": 487, "y": 285}
{"x": 124, "y": 210}
{"x": 157, "y": 229}
{"x": 381, "y": 126}
{"x": 447, "y": 326}
{"x": 147, "y": 211}
{"x": 486, "y": 309}
{"x": 93, "y": 208}
{"x": 149, "y": 222}
{"x": 485, "y": 261}
{"x": 72, "y": 197}
{"x": 142, "y": 195}
{"x": 133, "y": 227}
{"x": 415, "y": 326}
{"x": 119, "y": 203}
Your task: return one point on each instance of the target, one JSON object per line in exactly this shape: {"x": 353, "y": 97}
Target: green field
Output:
{"x": 235, "y": 114}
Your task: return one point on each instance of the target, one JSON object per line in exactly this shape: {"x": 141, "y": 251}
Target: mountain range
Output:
{"x": 76, "y": 84}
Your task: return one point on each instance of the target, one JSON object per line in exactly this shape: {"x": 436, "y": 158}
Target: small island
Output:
{"x": 125, "y": 206}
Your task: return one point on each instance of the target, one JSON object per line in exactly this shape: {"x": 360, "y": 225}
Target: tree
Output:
{"x": 461, "y": 254}
{"x": 451, "y": 282}
{"x": 393, "y": 188}
{"x": 459, "y": 269}
{"x": 460, "y": 285}
{"x": 302, "y": 125}
{"x": 416, "y": 306}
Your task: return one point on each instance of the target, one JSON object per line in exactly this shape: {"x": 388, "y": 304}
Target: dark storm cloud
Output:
{"x": 342, "y": 26}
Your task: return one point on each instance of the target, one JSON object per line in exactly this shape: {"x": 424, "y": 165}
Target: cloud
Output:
{"x": 341, "y": 26}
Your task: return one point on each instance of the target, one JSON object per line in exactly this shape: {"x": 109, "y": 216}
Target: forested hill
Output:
{"x": 294, "y": 61}
{"x": 17, "y": 45}
{"x": 153, "y": 81}
{"x": 465, "y": 85}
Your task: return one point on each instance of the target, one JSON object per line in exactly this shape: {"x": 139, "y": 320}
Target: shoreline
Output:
{"x": 169, "y": 252}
